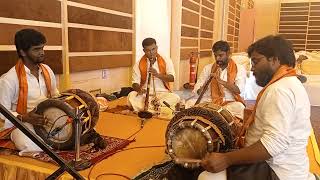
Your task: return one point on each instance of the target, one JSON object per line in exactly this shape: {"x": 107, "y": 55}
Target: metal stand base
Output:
{"x": 81, "y": 165}
{"x": 63, "y": 165}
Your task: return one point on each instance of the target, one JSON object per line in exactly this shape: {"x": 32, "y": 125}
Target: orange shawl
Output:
{"x": 144, "y": 69}
{"x": 23, "y": 85}
{"x": 283, "y": 71}
{"x": 217, "y": 93}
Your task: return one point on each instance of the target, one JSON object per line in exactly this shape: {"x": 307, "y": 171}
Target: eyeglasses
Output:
{"x": 255, "y": 61}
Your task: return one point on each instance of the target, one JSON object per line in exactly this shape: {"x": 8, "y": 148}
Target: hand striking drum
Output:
{"x": 194, "y": 132}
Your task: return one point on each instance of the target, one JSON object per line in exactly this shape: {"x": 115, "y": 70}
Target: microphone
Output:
{"x": 58, "y": 129}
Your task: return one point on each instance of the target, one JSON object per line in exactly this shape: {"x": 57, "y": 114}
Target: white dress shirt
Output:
{"x": 282, "y": 124}
{"x": 37, "y": 90}
{"x": 136, "y": 76}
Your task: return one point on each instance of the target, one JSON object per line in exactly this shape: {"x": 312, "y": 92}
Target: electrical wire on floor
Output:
{"x": 122, "y": 150}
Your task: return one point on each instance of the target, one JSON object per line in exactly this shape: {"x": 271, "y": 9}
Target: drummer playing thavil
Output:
{"x": 278, "y": 130}
{"x": 26, "y": 84}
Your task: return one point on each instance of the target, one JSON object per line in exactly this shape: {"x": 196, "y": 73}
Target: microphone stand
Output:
{"x": 63, "y": 165}
{"x": 79, "y": 164}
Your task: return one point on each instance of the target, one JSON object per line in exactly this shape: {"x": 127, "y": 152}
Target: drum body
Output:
{"x": 60, "y": 113}
{"x": 199, "y": 130}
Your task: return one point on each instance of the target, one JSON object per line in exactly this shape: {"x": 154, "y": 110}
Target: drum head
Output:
{"x": 60, "y": 114}
{"x": 57, "y": 112}
{"x": 196, "y": 131}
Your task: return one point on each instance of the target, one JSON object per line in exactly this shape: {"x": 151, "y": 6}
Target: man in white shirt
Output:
{"x": 229, "y": 78}
{"x": 277, "y": 132}
{"x": 27, "y": 84}
{"x": 162, "y": 72}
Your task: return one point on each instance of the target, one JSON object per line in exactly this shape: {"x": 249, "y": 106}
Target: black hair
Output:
{"x": 26, "y": 38}
{"x": 274, "y": 46}
{"x": 148, "y": 41}
{"x": 221, "y": 45}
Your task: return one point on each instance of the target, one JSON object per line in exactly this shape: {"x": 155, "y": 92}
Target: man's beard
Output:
{"x": 36, "y": 60}
{"x": 264, "y": 77}
{"x": 222, "y": 63}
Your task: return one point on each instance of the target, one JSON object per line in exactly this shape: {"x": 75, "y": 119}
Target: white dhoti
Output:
{"x": 137, "y": 101}
{"x": 22, "y": 142}
{"x": 205, "y": 175}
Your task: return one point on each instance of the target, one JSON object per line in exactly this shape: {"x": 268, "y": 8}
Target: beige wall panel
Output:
{"x": 293, "y": 27}
{"x": 231, "y": 22}
{"x": 8, "y": 31}
{"x": 315, "y": 8}
{"x": 294, "y": 4}
{"x": 189, "y": 42}
{"x": 185, "y": 53}
{"x": 208, "y": 4}
{"x": 294, "y": 36}
{"x": 40, "y": 10}
{"x": 313, "y": 27}
{"x": 311, "y": 46}
{"x": 314, "y": 31}
{"x": 315, "y": 13}
{"x": 231, "y": 16}
{"x": 189, "y": 32}
{"x": 231, "y": 30}
{"x": 86, "y": 40}
{"x": 190, "y": 18}
{"x": 88, "y": 63}
{"x": 314, "y": 18}
{"x": 207, "y": 13}
{"x": 118, "y": 5}
{"x": 266, "y": 18}
{"x": 232, "y": 3}
{"x": 293, "y": 23}
{"x": 205, "y": 44}
{"x": 206, "y": 24}
{"x": 190, "y": 5}
{"x": 205, "y": 54}
{"x": 86, "y": 16}
{"x": 295, "y": 9}
{"x": 298, "y": 41}
{"x": 294, "y": 18}
{"x": 314, "y": 23}
{"x": 52, "y": 58}
{"x": 294, "y": 13}
{"x": 236, "y": 32}
{"x": 206, "y": 34}
{"x": 313, "y": 37}
{"x": 303, "y": 31}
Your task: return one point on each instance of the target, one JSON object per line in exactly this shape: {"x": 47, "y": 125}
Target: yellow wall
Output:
{"x": 267, "y": 17}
